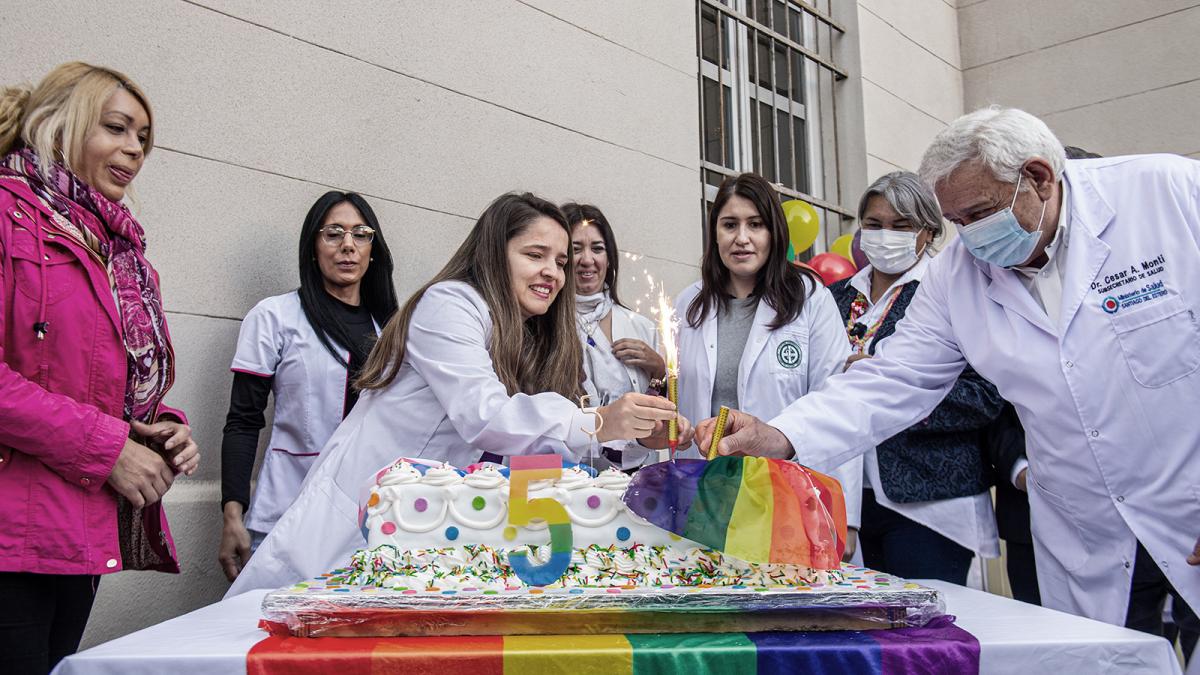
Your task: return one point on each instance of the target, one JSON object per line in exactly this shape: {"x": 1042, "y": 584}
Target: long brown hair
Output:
{"x": 780, "y": 283}
{"x": 530, "y": 356}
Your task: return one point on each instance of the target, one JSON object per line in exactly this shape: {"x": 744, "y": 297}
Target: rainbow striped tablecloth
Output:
{"x": 938, "y": 647}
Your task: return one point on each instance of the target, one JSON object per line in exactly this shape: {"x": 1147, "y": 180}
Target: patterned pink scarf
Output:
{"x": 114, "y": 234}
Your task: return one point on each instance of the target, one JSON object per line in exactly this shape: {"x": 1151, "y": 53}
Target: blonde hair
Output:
{"x": 55, "y": 117}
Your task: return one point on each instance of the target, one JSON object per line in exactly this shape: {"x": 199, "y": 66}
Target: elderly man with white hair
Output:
{"x": 1074, "y": 286}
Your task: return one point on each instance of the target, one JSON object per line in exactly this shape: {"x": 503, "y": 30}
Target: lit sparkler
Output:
{"x": 668, "y": 327}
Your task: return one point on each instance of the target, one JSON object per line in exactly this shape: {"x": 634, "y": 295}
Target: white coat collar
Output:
{"x": 861, "y": 281}
{"x": 1090, "y": 217}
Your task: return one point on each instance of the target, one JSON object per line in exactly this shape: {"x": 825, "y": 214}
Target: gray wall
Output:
{"x": 1112, "y": 76}
{"x": 912, "y": 78}
{"x": 429, "y": 109}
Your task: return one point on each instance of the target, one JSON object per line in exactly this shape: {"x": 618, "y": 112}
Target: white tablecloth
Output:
{"x": 1014, "y": 638}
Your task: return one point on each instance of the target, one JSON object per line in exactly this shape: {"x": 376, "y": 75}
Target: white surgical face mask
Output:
{"x": 999, "y": 238}
{"x": 890, "y": 251}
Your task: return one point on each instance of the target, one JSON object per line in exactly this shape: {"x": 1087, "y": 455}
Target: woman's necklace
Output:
{"x": 858, "y": 308}
{"x": 589, "y": 328}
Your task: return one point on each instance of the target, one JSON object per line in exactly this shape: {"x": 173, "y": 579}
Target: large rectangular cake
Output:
{"x": 444, "y": 557}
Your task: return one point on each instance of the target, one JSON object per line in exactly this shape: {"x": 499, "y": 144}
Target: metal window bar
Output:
{"x": 778, "y": 175}
{"x": 751, "y": 23}
{"x": 805, "y": 105}
{"x": 790, "y": 193}
{"x": 720, "y": 89}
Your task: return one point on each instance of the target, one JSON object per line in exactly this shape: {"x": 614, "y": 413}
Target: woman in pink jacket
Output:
{"x": 87, "y": 448}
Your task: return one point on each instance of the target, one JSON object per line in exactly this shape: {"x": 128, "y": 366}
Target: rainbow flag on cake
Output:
{"x": 756, "y": 509}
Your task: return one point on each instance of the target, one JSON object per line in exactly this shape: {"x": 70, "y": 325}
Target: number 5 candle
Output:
{"x": 522, "y": 511}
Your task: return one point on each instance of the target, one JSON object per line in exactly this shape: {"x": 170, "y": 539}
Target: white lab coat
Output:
{"x": 768, "y": 382}
{"x": 446, "y": 404}
{"x": 627, "y": 323}
{"x": 276, "y": 340}
{"x": 1109, "y": 401}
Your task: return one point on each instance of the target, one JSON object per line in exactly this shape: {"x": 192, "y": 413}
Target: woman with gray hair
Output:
{"x": 926, "y": 510}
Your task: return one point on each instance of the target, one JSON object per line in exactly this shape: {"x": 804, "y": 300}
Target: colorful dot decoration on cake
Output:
{"x": 510, "y": 533}
{"x": 622, "y": 534}
{"x": 388, "y": 528}
{"x": 478, "y": 503}
{"x": 593, "y": 502}
{"x": 420, "y": 505}
{"x": 452, "y": 533}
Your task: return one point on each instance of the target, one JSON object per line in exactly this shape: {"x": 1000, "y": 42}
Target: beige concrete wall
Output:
{"x": 1112, "y": 76}
{"x": 429, "y": 109}
{"x": 912, "y": 78}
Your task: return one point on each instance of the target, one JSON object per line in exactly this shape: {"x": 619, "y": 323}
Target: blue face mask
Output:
{"x": 999, "y": 239}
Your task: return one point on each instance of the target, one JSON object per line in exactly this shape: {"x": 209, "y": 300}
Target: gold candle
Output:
{"x": 718, "y": 431}
{"x": 673, "y": 425}
{"x": 667, "y": 327}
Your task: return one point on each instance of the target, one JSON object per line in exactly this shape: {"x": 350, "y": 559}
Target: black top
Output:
{"x": 1006, "y": 446}
{"x": 942, "y": 456}
{"x": 248, "y": 401}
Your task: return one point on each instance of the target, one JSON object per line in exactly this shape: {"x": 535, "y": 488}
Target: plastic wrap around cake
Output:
{"x": 860, "y": 599}
{"x": 736, "y": 544}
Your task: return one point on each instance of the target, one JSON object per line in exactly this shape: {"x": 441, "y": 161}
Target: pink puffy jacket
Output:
{"x": 61, "y": 402}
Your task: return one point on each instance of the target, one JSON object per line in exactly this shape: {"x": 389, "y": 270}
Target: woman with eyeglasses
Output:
{"x": 305, "y": 347}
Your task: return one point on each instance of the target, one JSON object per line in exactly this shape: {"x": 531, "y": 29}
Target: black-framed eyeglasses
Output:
{"x": 334, "y": 235}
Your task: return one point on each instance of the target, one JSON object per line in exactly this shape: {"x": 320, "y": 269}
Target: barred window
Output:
{"x": 767, "y": 105}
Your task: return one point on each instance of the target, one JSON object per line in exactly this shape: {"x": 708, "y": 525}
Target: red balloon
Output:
{"x": 832, "y": 267}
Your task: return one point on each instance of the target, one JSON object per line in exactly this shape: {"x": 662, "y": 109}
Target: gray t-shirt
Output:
{"x": 733, "y": 329}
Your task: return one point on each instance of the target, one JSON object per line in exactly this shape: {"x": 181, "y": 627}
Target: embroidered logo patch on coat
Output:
{"x": 788, "y": 354}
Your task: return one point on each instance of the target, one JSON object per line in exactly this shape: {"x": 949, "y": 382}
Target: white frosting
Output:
{"x": 486, "y": 478}
{"x": 574, "y": 478}
{"x": 401, "y": 473}
{"x": 475, "y": 509}
{"x": 442, "y": 475}
{"x": 611, "y": 479}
